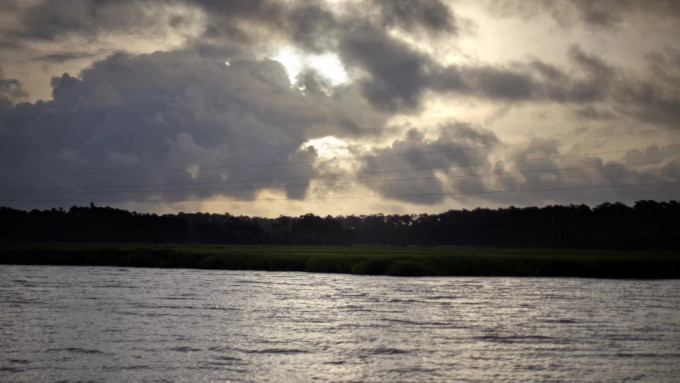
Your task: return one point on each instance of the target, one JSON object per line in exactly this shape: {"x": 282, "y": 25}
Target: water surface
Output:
{"x": 153, "y": 325}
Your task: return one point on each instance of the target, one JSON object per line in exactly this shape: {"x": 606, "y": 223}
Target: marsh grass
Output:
{"x": 395, "y": 261}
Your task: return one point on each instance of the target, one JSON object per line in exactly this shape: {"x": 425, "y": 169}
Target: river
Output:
{"x": 76, "y": 324}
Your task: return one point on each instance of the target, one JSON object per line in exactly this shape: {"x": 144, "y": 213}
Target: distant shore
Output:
{"x": 361, "y": 260}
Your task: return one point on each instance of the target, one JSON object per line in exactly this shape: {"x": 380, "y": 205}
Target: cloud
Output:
{"x": 181, "y": 124}
{"x": 470, "y": 165}
{"x": 597, "y": 14}
{"x": 243, "y": 21}
{"x": 395, "y": 73}
{"x": 650, "y": 101}
{"x": 11, "y": 91}
{"x": 547, "y": 172}
{"x": 432, "y": 16}
{"x": 416, "y": 168}
{"x": 390, "y": 72}
{"x": 170, "y": 125}
{"x": 313, "y": 27}
{"x": 498, "y": 83}
{"x": 648, "y": 98}
{"x": 51, "y": 21}
{"x": 591, "y": 113}
{"x": 54, "y": 33}
{"x": 64, "y": 56}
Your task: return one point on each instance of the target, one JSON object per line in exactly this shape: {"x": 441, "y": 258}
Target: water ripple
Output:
{"x": 118, "y": 324}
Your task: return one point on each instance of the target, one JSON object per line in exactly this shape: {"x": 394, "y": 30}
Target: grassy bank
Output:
{"x": 396, "y": 261}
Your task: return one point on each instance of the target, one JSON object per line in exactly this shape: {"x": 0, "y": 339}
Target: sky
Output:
{"x": 269, "y": 108}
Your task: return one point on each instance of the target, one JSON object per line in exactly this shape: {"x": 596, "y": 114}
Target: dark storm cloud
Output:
{"x": 313, "y": 27}
{"x": 499, "y": 83}
{"x": 598, "y": 76}
{"x": 544, "y": 172}
{"x": 266, "y": 11}
{"x": 456, "y": 146}
{"x": 599, "y": 14}
{"x": 231, "y": 19}
{"x": 463, "y": 162}
{"x": 650, "y": 103}
{"x": 665, "y": 61}
{"x": 51, "y": 20}
{"x": 11, "y": 89}
{"x": 590, "y": 79}
{"x": 64, "y": 56}
{"x": 169, "y": 118}
{"x": 650, "y": 98}
{"x": 313, "y": 83}
{"x": 394, "y": 76}
{"x": 431, "y": 15}
{"x": 396, "y": 73}
{"x": 536, "y": 81}
{"x": 591, "y": 113}
{"x": 183, "y": 117}
{"x": 393, "y": 71}
{"x": 591, "y": 64}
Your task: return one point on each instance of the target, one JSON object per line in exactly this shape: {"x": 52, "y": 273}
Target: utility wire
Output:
{"x": 282, "y": 179}
{"x": 104, "y": 191}
{"x": 176, "y": 170}
{"x": 371, "y": 196}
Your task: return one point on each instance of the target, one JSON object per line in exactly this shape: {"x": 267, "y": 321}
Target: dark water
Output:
{"x": 151, "y": 325}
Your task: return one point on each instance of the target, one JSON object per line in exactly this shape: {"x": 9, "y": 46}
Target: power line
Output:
{"x": 369, "y": 196}
{"x": 97, "y": 191}
{"x": 238, "y": 166}
{"x": 283, "y": 179}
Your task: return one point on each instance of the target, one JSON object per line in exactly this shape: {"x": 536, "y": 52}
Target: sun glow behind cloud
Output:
{"x": 328, "y": 147}
{"x": 396, "y": 101}
{"x": 327, "y": 65}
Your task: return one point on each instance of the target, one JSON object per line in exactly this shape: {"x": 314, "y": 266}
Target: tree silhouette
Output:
{"x": 645, "y": 225}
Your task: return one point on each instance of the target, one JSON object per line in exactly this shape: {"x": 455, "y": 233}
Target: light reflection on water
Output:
{"x": 113, "y": 324}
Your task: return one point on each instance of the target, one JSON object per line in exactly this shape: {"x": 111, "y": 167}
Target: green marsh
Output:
{"x": 395, "y": 261}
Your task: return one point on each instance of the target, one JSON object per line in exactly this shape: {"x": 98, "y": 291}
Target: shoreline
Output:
{"x": 359, "y": 260}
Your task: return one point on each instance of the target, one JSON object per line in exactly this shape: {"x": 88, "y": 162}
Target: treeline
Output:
{"x": 645, "y": 225}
